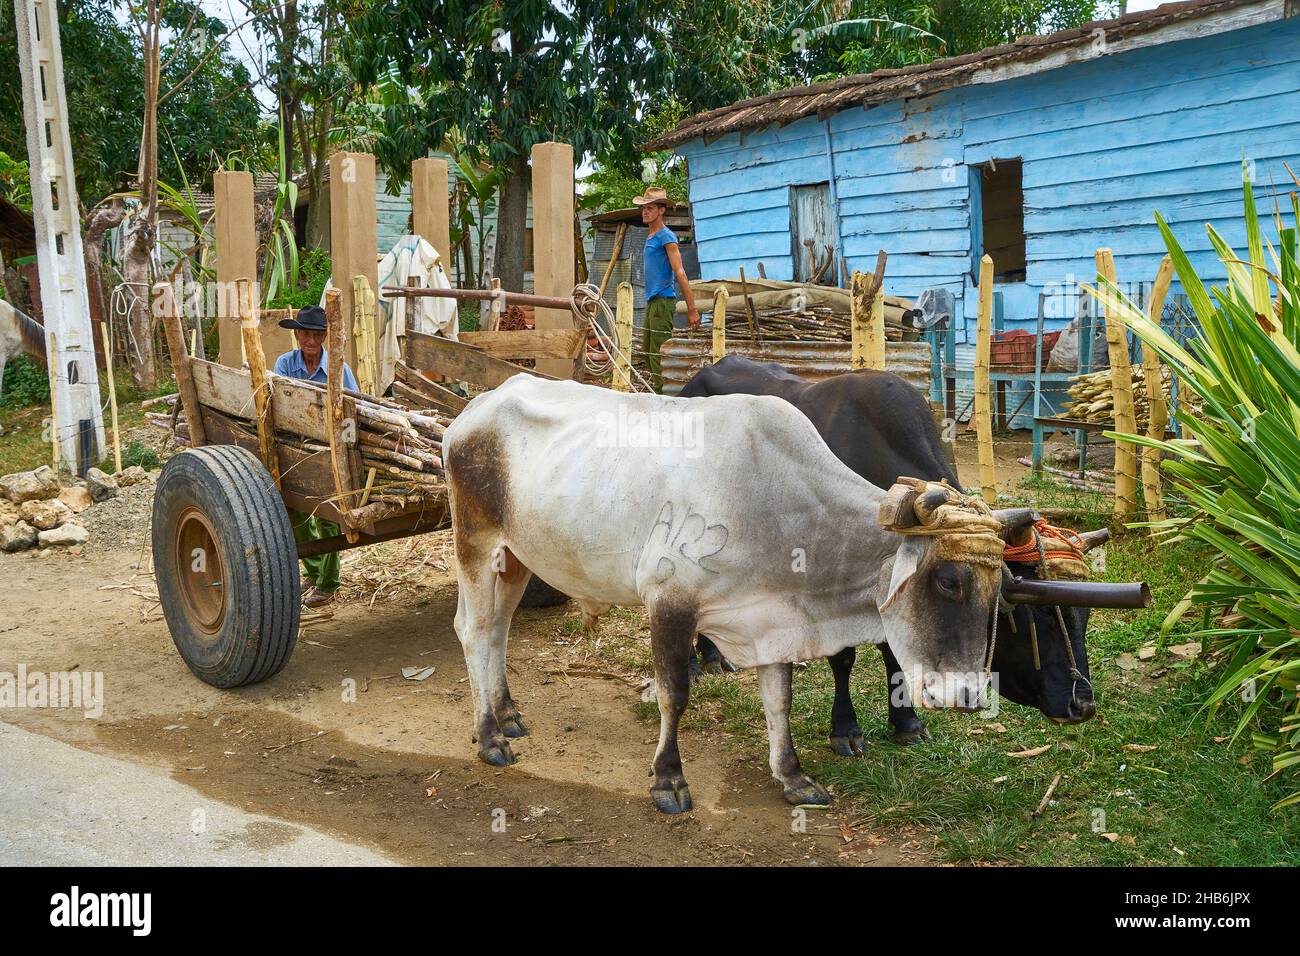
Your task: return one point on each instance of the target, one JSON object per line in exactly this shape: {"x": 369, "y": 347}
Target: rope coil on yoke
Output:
{"x": 1059, "y": 550}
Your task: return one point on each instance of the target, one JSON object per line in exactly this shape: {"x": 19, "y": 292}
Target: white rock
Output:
{"x": 64, "y": 536}
{"x": 42, "y": 483}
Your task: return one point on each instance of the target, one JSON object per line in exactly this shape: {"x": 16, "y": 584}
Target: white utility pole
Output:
{"x": 69, "y": 338}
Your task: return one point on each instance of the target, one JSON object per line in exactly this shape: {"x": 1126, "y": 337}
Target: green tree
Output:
{"x": 211, "y": 112}
{"x": 508, "y": 75}
{"x": 957, "y": 28}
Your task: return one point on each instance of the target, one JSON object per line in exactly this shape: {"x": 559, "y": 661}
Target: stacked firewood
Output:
{"x": 1094, "y": 401}
{"x": 402, "y": 445}
{"x": 765, "y": 309}
{"x": 788, "y": 325}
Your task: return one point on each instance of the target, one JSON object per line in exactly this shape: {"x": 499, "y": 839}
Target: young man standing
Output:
{"x": 663, "y": 265}
{"x": 309, "y": 361}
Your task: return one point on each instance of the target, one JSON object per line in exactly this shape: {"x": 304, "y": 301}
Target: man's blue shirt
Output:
{"x": 291, "y": 365}
{"x": 658, "y": 270}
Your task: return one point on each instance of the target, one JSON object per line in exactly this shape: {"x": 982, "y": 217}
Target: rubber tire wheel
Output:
{"x": 259, "y": 615}
{"x": 540, "y": 594}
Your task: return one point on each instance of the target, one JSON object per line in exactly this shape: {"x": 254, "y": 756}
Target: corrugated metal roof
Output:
{"x": 882, "y": 86}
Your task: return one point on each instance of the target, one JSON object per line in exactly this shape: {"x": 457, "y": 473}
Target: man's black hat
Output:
{"x": 311, "y": 318}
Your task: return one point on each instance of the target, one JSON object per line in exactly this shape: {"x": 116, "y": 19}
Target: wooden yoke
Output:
{"x": 265, "y": 417}
{"x": 341, "y": 464}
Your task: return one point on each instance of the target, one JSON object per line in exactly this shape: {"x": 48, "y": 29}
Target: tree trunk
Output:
{"x": 512, "y": 220}
{"x": 139, "y": 280}
{"x": 108, "y": 215}
{"x": 143, "y": 230}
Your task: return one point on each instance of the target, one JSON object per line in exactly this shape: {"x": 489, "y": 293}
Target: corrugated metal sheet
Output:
{"x": 815, "y": 361}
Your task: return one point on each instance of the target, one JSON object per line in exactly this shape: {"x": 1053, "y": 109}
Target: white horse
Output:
{"x": 18, "y": 334}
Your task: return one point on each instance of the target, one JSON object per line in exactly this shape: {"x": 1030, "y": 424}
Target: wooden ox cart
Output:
{"x": 261, "y": 446}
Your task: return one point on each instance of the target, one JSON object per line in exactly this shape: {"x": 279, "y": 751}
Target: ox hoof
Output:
{"x": 497, "y": 753}
{"x": 693, "y": 671}
{"x": 850, "y": 745}
{"x": 807, "y": 792}
{"x": 913, "y": 734}
{"x": 675, "y": 798}
{"x": 513, "y": 726}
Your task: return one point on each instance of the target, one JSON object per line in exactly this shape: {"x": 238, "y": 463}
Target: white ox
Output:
{"x": 726, "y": 516}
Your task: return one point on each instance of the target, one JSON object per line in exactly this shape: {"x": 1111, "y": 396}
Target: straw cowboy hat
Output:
{"x": 655, "y": 194}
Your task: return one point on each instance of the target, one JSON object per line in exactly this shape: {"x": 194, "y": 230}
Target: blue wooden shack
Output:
{"x": 1037, "y": 152}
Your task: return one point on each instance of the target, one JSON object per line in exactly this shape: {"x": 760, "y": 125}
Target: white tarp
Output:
{"x": 411, "y": 257}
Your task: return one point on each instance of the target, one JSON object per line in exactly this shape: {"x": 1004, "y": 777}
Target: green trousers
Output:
{"x": 657, "y": 330}
{"x": 323, "y": 569}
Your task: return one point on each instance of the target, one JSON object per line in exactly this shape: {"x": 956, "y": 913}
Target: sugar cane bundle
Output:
{"x": 1093, "y": 400}
{"x": 403, "y": 445}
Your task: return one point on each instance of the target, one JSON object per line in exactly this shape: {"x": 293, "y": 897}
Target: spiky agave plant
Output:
{"x": 1241, "y": 475}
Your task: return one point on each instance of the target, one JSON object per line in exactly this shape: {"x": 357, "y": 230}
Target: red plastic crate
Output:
{"x": 1014, "y": 351}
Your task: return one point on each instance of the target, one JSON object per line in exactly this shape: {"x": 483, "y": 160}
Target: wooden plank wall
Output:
{"x": 1104, "y": 143}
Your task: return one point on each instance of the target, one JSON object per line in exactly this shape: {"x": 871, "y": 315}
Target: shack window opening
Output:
{"x": 1003, "y": 218}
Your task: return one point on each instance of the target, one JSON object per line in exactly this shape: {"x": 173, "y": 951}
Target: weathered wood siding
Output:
{"x": 1104, "y": 143}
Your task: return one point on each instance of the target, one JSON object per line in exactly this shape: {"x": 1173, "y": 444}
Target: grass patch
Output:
{"x": 25, "y": 443}
{"x": 1188, "y": 801}
{"x": 1192, "y": 800}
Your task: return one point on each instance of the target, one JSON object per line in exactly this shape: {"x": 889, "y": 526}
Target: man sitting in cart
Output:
{"x": 309, "y": 360}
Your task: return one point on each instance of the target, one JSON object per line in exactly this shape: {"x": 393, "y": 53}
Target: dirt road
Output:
{"x": 341, "y": 743}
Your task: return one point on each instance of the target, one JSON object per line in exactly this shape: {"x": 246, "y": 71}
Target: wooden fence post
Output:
{"x": 867, "y": 317}
{"x": 720, "y": 323}
{"x": 112, "y": 393}
{"x": 236, "y": 256}
{"x": 353, "y": 240}
{"x": 1157, "y": 411}
{"x": 554, "y": 266}
{"x": 983, "y": 403}
{"x": 430, "y": 207}
{"x": 1121, "y": 386}
{"x": 623, "y": 329}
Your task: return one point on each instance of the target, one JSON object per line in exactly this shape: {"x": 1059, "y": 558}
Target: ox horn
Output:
{"x": 929, "y": 502}
{"x": 1016, "y": 524}
{"x": 1092, "y": 539}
